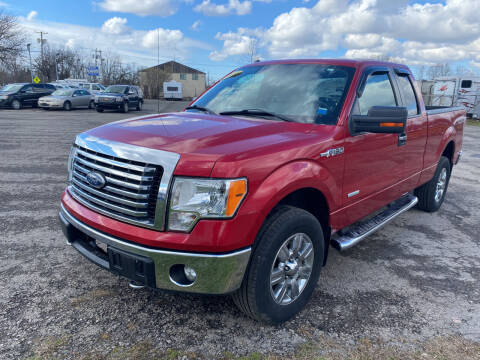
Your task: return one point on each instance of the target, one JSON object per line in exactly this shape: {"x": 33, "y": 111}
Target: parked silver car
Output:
{"x": 67, "y": 99}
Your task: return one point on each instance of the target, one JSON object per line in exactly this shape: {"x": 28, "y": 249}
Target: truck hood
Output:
{"x": 202, "y": 139}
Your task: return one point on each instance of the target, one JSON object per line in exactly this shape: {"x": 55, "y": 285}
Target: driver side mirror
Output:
{"x": 380, "y": 119}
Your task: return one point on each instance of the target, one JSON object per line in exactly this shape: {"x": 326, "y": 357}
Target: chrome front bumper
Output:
{"x": 216, "y": 274}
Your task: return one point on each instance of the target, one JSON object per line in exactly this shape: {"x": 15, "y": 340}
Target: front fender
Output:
{"x": 284, "y": 181}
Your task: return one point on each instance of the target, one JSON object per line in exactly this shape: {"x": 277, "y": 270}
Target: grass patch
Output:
{"x": 47, "y": 347}
{"x": 91, "y": 295}
{"x": 473, "y": 122}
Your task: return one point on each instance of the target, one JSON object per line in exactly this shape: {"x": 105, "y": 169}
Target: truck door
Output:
{"x": 373, "y": 162}
{"x": 412, "y": 144}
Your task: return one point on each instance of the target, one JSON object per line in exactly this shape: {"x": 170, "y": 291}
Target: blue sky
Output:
{"x": 415, "y": 32}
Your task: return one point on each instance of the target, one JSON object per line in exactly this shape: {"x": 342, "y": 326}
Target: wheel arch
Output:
{"x": 449, "y": 151}
{"x": 315, "y": 202}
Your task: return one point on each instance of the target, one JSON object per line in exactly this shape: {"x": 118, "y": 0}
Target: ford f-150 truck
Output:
{"x": 244, "y": 192}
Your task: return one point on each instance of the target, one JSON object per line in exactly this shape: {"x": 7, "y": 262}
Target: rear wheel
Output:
{"x": 431, "y": 195}
{"x": 67, "y": 105}
{"x": 284, "y": 267}
{"x": 16, "y": 104}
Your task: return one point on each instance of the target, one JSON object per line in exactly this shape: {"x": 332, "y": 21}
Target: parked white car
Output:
{"x": 93, "y": 87}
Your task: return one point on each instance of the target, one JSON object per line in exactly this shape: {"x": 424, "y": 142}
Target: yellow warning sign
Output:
{"x": 36, "y": 80}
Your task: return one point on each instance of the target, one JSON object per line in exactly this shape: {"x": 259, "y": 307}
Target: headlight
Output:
{"x": 71, "y": 158}
{"x": 195, "y": 199}
{"x": 118, "y": 98}
{"x": 4, "y": 97}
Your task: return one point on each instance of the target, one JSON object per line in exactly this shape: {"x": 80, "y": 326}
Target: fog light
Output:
{"x": 190, "y": 274}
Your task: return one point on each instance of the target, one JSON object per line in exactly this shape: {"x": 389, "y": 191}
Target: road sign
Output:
{"x": 93, "y": 71}
{"x": 36, "y": 79}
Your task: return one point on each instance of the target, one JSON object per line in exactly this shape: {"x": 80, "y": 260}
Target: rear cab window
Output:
{"x": 408, "y": 93}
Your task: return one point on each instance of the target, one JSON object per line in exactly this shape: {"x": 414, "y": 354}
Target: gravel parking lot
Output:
{"x": 410, "y": 290}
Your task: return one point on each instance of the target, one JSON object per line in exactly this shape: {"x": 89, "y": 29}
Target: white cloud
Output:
{"x": 196, "y": 25}
{"x": 137, "y": 46}
{"x": 115, "y": 25}
{"x": 166, "y": 37}
{"x": 31, "y": 15}
{"x": 398, "y": 29}
{"x": 238, "y": 7}
{"x": 141, "y": 7}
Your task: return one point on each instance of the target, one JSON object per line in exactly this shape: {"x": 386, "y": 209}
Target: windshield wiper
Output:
{"x": 257, "y": 112}
{"x": 201, "y": 108}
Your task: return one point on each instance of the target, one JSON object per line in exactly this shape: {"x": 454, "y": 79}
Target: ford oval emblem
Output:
{"x": 96, "y": 179}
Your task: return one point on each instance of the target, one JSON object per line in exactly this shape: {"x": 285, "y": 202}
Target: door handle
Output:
{"x": 402, "y": 139}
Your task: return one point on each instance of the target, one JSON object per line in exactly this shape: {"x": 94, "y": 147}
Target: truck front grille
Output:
{"x": 130, "y": 191}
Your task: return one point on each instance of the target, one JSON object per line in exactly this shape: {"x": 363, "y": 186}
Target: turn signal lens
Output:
{"x": 390, "y": 124}
{"x": 236, "y": 193}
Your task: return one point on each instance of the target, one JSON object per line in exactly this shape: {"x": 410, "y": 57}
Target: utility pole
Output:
{"x": 42, "y": 41}
{"x": 30, "y": 57}
{"x": 97, "y": 56}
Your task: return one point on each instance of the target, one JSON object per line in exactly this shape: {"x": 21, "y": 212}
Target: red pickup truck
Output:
{"x": 244, "y": 192}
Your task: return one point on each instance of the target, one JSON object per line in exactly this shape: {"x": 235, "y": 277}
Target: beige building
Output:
{"x": 193, "y": 81}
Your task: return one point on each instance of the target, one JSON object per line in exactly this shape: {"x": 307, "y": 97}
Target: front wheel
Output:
{"x": 16, "y": 104}
{"x": 67, "y": 105}
{"x": 99, "y": 109}
{"x": 431, "y": 195}
{"x": 91, "y": 104}
{"x": 284, "y": 268}
{"x": 139, "y": 106}
{"x": 125, "y": 107}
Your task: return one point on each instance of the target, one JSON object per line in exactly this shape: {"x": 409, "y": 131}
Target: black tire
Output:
{"x": 16, "y": 104}
{"x": 139, "y": 106}
{"x": 427, "y": 193}
{"x": 91, "y": 104}
{"x": 255, "y": 296}
{"x": 99, "y": 109}
{"x": 125, "y": 107}
{"x": 67, "y": 106}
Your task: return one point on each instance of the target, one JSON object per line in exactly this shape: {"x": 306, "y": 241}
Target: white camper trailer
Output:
{"x": 172, "y": 90}
{"x": 458, "y": 91}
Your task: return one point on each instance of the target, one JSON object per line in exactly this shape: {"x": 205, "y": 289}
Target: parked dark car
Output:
{"x": 20, "y": 95}
{"x": 119, "y": 97}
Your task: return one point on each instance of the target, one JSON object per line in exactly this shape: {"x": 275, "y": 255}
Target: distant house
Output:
{"x": 193, "y": 81}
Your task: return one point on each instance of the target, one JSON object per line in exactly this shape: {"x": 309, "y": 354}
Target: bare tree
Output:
{"x": 152, "y": 80}
{"x": 12, "y": 39}
{"x": 439, "y": 70}
{"x": 115, "y": 72}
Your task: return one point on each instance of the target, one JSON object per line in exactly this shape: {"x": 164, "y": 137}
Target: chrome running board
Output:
{"x": 357, "y": 232}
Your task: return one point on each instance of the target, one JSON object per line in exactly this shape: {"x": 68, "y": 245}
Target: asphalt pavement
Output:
{"x": 414, "y": 281}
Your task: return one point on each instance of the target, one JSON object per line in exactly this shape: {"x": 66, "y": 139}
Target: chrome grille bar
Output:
{"x": 136, "y": 180}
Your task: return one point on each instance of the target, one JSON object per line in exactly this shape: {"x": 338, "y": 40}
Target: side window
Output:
{"x": 28, "y": 89}
{"x": 95, "y": 87}
{"x": 77, "y": 93}
{"x": 466, "y": 84}
{"x": 86, "y": 93}
{"x": 378, "y": 92}
{"x": 38, "y": 88}
{"x": 408, "y": 94}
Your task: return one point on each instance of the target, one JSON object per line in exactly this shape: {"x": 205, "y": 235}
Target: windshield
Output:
{"x": 12, "y": 87}
{"x": 63, "y": 92}
{"x": 307, "y": 93}
{"x": 115, "y": 89}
